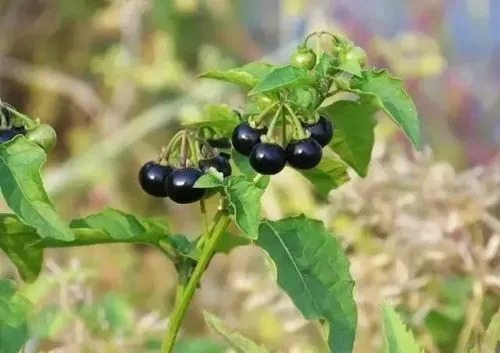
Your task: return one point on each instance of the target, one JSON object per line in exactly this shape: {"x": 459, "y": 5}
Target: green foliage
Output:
{"x": 491, "y": 340}
{"x": 243, "y": 200}
{"x": 329, "y": 174}
{"x": 314, "y": 272}
{"x": 22, "y": 188}
{"x": 216, "y": 116}
{"x": 394, "y": 100}
{"x": 17, "y": 240}
{"x": 354, "y": 137}
{"x": 245, "y": 76}
{"x": 282, "y": 77}
{"x": 397, "y": 338}
{"x": 240, "y": 343}
{"x": 49, "y": 321}
{"x": 14, "y": 310}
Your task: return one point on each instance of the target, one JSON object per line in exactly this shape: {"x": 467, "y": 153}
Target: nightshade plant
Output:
{"x": 315, "y": 115}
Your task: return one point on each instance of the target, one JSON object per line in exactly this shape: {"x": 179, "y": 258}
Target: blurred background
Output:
{"x": 117, "y": 77}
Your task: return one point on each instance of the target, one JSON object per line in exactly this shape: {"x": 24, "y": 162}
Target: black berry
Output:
{"x": 222, "y": 142}
{"x": 304, "y": 154}
{"x": 152, "y": 178}
{"x": 267, "y": 158}
{"x": 179, "y": 185}
{"x": 6, "y": 135}
{"x": 220, "y": 163}
{"x": 322, "y": 131}
{"x": 245, "y": 138}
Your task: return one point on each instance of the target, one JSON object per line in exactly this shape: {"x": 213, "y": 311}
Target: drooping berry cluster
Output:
{"x": 268, "y": 157}
{"x": 181, "y": 164}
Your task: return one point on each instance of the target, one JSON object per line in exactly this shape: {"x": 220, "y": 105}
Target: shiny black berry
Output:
{"x": 220, "y": 163}
{"x": 6, "y": 135}
{"x": 179, "y": 185}
{"x": 267, "y": 158}
{"x": 245, "y": 138}
{"x": 322, "y": 131}
{"x": 152, "y": 178}
{"x": 304, "y": 154}
{"x": 222, "y": 142}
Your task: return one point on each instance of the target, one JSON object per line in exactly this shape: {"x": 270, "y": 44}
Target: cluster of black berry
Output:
{"x": 270, "y": 158}
{"x": 175, "y": 173}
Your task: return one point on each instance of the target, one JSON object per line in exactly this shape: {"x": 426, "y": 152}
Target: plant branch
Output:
{"x": 188, "y": 292}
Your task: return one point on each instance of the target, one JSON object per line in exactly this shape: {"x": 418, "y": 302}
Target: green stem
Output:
{"x": 273, "y": 123}
{"x": 193, "y": 151}
{"x": 301, "y": 134}
{"x": 165, "y": 153}
{"x": 262, "y": 115}
{"x": 180, "y": 309}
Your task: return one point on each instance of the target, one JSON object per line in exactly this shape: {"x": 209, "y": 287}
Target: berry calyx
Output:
{"x": 6, "y": 135}
{"x": 303, "y": 58}
{"x": 267, "y": 158}
{"x": 221, "y": 142}
{"x": 321, "y": 131}
{"x": 220, "y": 163}
{"x": 245, "y": 137}
{"x": 152, "y": 177}
{"x": 44, "y": 136}
{"x": 179, "y": 185}
{"x": 304, "y": 154}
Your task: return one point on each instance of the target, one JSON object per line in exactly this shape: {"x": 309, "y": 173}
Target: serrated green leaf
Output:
{"x": 314, "y": 271}
{"x": 117, "y": 224}
{"x": 15, "y": 238}
{"x": 234, "y": 338}
{"x": 282, "y": 77}
{"x": 397, "y": 338}
{"x": 354, "y": 135}
{"x": 329, "y": 174}
{"x": 22, "y": 188}
{"x": 14, "y": 307}
{"x": 12, "y": 339}
{"x": 243, "y": 200}
{"x": 395, "y": 101}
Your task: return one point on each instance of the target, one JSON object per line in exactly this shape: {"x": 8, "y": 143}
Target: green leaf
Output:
{"x": 282, "y": 77}
{"x": 119, "y": 225}
{"x": 15, "y": 238}
{"x": 243, "y": 200}
{"x": 229, "y": 241}
{"x": 246, "y": 169}
{"x": 397, "y": 338}
{"x": 395, "y": 101}
{"x": 352, "y": 67}
{"x": 200, "y": 345}
{"x": 354, "y": 136}
{"x": 240, "y": 78}
{"x": 12, "y": 339}
{"x": 220, "y": 117}
{"x": 211, "y": 179}
{"x": 234, "y": 338}
{"x": 329, "y": 174}
{"x": 325, "y": 63}
{"x": 14, "y": 308}
{"x": 257, "y": 70}
{"x": 314, "y": 271}
{"x": 22, "y": 188}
